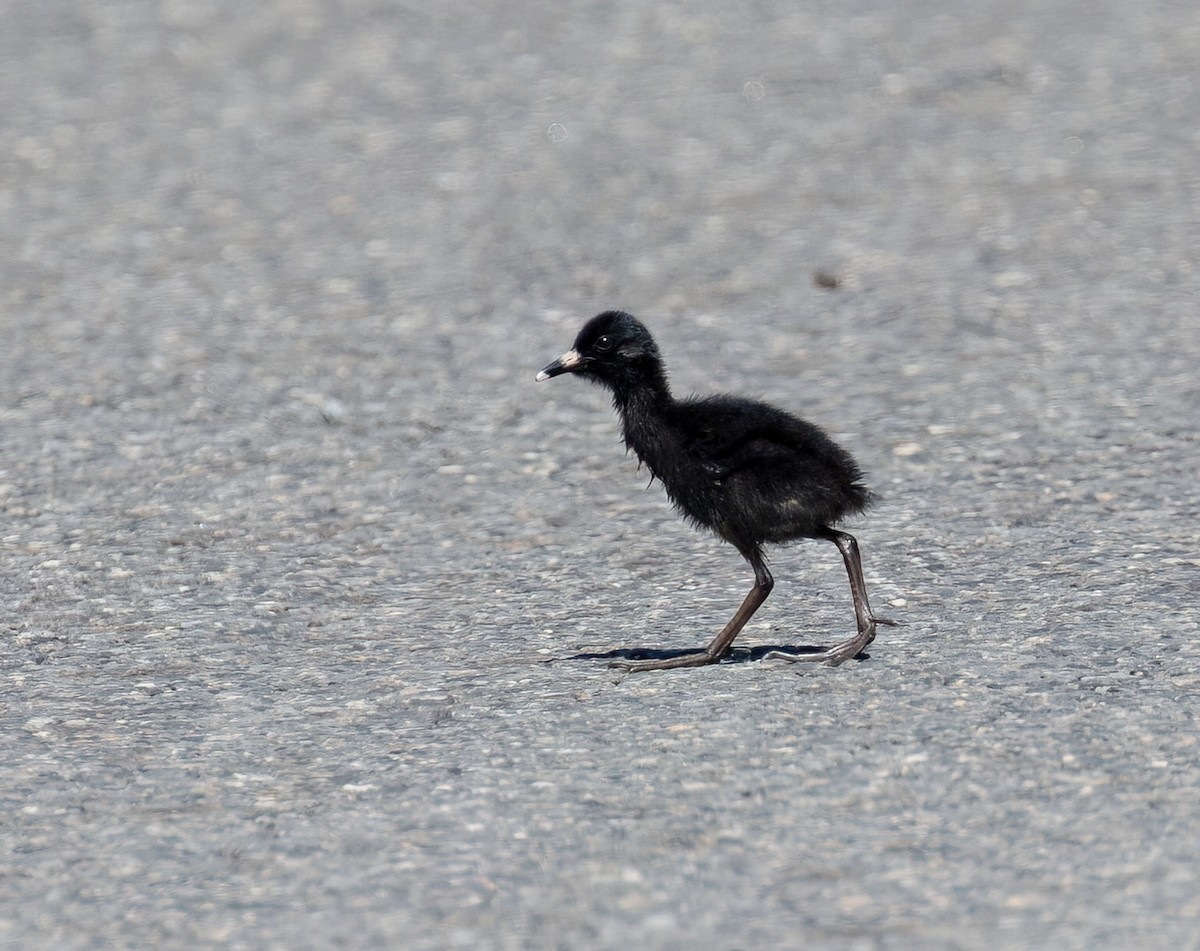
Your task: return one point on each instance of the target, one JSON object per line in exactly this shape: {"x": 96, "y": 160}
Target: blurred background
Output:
{"x": 289, "y": 533}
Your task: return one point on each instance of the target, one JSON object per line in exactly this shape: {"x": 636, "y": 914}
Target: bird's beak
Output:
{"x": 564, "y": 364}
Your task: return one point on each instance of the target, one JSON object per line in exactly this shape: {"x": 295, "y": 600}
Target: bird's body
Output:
{"x": 767, "y": 476}
{"x": 750, "y": 472}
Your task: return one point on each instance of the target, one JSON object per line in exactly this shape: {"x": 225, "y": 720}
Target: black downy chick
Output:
{"x": 749, "y": 471}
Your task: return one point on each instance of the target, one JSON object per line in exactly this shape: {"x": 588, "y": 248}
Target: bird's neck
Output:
{"x": 648, "y": 395}
{"x": 644, "y": 410}
{"x": 642, "y": 387}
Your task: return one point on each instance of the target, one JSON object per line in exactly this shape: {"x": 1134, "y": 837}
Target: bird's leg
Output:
{"x": 722, "y": 644}
{"x": 848, "y": 546}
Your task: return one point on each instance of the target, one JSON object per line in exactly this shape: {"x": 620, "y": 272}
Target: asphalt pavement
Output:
{"x": 306, "y": 585}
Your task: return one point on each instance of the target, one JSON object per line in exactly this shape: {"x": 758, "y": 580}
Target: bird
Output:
{"x": 750, "y": 472}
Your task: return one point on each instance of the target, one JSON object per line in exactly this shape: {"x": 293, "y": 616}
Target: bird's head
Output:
{"x": 613, "y": 348}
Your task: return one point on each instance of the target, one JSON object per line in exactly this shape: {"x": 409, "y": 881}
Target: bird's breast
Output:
{"x": 663, "y": 450}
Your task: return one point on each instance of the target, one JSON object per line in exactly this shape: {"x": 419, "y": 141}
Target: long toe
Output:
{"x": 834, "y": 656}
{"x": 698, "y": 659}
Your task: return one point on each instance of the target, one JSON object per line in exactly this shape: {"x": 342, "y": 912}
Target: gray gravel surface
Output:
{"x": 297, "y": 561}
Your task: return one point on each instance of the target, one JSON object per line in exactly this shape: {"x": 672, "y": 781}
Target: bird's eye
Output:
{"x": 603, "y": 344}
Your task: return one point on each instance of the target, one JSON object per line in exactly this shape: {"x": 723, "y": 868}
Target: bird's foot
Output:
{"x": 834, "y": 656}
{"x": 697, "y": 659}
{"x": 886, "y": 622}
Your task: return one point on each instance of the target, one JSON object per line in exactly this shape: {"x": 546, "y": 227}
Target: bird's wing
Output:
{"x": 730, "y": 436}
